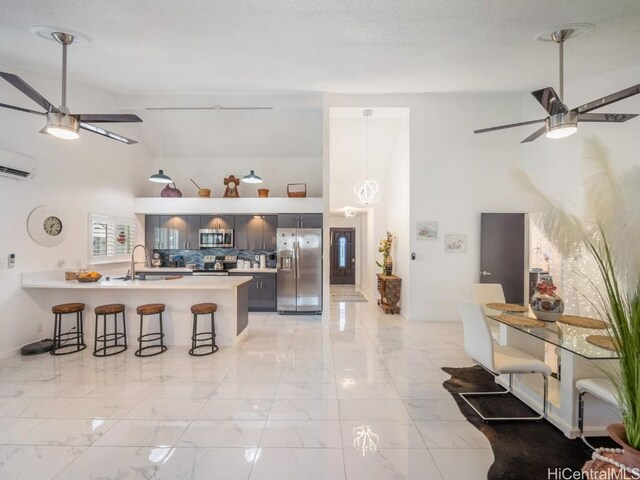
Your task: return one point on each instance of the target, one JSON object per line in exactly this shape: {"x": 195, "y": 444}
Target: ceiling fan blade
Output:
{"x": 550, "y": 101}
{"x": 25, "y": 88}
{"x": 108, "y": 117}
{"x": 215, "y": 107}
{"x": 20, "y": 109}
{"x": 535, "y": 135}
{"x": 511, "y": 125}
{"x": 106, "y": 133}
{"x": 606, "y": 117}
{"x": 609, "y": 99}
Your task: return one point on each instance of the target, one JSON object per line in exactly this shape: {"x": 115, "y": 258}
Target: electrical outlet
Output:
{"x": 39, "y": 327}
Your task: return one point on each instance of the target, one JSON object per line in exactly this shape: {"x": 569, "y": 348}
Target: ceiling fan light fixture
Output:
{"x": 252, "y": 178}
{"x": 160, "y": 177}
{"x": 562, "y": 125}
{"x": 62, "y": 126}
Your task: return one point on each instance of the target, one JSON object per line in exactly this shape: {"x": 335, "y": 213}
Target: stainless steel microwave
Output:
{"x": 215, "y": 237}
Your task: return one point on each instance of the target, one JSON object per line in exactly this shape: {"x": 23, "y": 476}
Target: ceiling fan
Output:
{"x": 61, "y": 122}
{"x": 561, "y": 121}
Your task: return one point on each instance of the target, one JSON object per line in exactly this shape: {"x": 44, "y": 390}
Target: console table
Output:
{"x": 389, "y": 287}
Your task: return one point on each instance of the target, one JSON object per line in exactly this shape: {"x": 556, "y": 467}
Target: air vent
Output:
{"x": 15, "y": 173}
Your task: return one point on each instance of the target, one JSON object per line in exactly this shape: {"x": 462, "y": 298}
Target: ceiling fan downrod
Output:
{"x": 64, "y": 39}
{"x": 560, "y": 37}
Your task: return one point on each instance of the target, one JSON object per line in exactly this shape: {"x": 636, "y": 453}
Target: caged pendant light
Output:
{"x": 366, "y": 192}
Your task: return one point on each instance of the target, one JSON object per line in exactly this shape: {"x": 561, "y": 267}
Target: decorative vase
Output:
{"x": 170, "y": 192}
{"x": 547, "y": 307}
{"x": 388, "y": 265}
{"x": 630, "y": 455}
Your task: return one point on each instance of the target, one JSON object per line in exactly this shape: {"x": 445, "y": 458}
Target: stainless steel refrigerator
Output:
{"x": 300, "y": 270}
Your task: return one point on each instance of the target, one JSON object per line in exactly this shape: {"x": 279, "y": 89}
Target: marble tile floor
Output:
{"x": 352, "y": 395}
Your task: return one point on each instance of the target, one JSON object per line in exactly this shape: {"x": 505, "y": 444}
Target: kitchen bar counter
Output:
{"x": 176, "y": 270}
{"x": 253, "y": 270}
{"x": 229, "y": 293}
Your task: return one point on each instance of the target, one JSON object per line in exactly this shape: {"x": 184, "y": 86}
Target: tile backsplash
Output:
{"x": 196, "y": 256}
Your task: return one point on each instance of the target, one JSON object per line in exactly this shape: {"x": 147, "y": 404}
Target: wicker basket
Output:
{"x": 299, "y": 190}
{"x": 88, "y": 279}
{"x": 263, "y": 192}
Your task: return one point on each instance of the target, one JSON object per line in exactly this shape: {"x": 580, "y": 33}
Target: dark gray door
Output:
{"x": 343, "y": 256}
{"x": 193, "y": 232}
{"x": 311, "y": 220}
{"x": 167, "y": 235}
{"x": 225, "y": 222}
{"x": 254, "y": 232}
{"x": 240, "y": 234}
{"x": 288, "y": 220}
{"x": 254, "y": 293}
{"x": 502, "y": 253}
{"x": 269, "y": 231}
{"x": 151, "y": 225}
{"x": 268, "y": 292}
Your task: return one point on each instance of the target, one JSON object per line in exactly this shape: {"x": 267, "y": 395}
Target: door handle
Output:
{"x": 484, "y": 273}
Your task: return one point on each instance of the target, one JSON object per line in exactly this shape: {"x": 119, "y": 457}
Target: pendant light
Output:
{"x": 252, "y": 177}
{"x": 160, "y": 177}
{"x": 349, "y": 212}
{"x": 366, "y": 192}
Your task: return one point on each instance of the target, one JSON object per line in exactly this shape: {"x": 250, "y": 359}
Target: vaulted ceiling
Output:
{"x": 213, "y": 46}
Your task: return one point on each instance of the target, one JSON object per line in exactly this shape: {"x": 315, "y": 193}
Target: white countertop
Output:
{"x": 184, "y": 283}
{"x": 253, "y": 270}
{"x": 163, "y": 269}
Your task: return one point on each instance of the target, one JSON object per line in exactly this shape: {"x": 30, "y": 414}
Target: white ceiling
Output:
{"x": 378, "y": 46}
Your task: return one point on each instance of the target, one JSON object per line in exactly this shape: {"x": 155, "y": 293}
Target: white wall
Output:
{"x": 456, "y": 175}
{"x": 91, "y": 174}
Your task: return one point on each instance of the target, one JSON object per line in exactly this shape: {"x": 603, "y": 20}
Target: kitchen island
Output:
{"x": 178, "y": 294}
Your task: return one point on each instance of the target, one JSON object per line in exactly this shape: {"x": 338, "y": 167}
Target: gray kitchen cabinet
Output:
{"x": 187, "y": 230}
{"x": 262, "y": 291}
{"x": 168, "y": 237}
{"x": 255, "y": 232}
{"x": 300, "y": 220}
{"x": 151, "y": 225}
{"x": 240, "y": 232}
{"x": 217, "y": 222}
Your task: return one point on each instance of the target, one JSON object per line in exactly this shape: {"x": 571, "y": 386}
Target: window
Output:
{"x": 111, "y": 239}
{"x": 342, "y": 251}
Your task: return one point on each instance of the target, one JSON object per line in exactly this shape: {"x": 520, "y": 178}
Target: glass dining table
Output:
{"x": 578, "y": 359}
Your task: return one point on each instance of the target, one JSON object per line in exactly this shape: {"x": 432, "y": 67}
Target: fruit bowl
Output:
{"x": 88, "y": 277}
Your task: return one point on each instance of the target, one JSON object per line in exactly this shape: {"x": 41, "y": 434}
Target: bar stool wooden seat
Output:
{"x": 60, "y": 340}
{"x": 197, "y": 339}
{"x": 117, "y": 339}
{"x": 145, "y": 310}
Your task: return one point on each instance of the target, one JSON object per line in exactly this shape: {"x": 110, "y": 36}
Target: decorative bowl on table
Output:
{"x": 88, "y": 277}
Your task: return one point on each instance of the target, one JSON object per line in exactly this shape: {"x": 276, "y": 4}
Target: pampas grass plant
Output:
{"x": 610, "y": 231}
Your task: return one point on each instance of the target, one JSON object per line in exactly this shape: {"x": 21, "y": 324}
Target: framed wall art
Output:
{"x": 455, "y": 243}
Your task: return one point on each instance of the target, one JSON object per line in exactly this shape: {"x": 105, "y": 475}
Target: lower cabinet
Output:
{"x": 262, "y": 291}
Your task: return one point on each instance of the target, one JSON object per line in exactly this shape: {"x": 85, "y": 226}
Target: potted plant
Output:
{"x": 610, "y": 233}
{"x": 385, "y": 249}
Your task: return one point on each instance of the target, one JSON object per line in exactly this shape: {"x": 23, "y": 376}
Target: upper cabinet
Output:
{"x": 217, "y": 222}
{"x": 296, "y": 220}
{"x": 172, "y": 232}
{"x": 255, "y": 232}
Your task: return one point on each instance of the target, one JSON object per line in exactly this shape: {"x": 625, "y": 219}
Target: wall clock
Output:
{"x": 46, "y": 226}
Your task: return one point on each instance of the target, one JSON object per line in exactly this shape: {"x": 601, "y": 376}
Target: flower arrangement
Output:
{"x": 609, "y": 231}
{"x": 546, "y": 287}
{"x": 385, "y": 249}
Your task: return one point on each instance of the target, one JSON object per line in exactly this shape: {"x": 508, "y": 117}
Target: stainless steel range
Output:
{"x": 217, "y": 265}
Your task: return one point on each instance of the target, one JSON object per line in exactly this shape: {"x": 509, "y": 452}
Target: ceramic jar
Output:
{"x": 388, "y": 265}
{"x": 547, "y": 306}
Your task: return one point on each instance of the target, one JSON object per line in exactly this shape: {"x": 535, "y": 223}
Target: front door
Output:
{"x": 502, "y": 253}
{"x": 343, "y": 256}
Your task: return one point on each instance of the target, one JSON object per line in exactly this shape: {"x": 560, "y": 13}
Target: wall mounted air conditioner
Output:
{"x": 16, "y": 173}
{"x": 15, "y": 165}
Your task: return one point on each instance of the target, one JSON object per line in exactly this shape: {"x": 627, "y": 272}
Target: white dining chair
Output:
{"x": 483, "y": 293}
{"x": 601, "y": 388}
{"x": 497, "y": 359}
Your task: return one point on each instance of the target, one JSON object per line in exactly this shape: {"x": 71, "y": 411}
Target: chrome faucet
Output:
{"x": 133, "y": 262}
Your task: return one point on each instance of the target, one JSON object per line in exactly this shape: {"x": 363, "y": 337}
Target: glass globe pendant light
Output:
{"x": 366, "y": 192}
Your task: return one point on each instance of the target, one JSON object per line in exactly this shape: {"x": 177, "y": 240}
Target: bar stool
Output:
{"x": 116, "y": 347}
{"x": 203, "y": 309}
{"x": 150, "y": 309}
{"x": 59, "y": 337}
